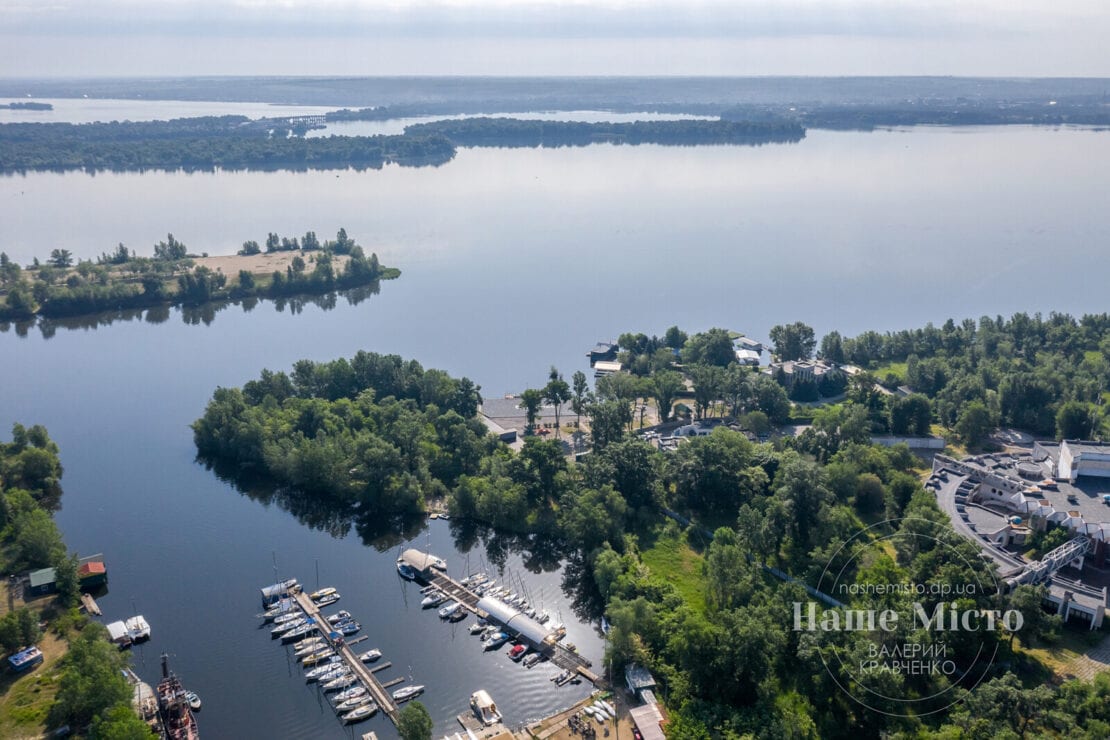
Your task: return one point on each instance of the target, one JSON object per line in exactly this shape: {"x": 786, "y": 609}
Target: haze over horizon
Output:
{"x": 987, "y": 38}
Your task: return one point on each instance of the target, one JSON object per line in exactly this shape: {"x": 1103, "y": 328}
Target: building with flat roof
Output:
{"x": 1072, "y": 458}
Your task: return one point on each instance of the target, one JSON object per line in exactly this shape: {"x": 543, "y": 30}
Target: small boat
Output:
{"x": 304, "y": 630}
{"x": 348, "y": 628}
{"x": 407, "y": 692}
{"x": 282, "y": 607}
{"x": 288, "y": 617}
{"x": 353, "y": 702}
{"x": 370, "y": 655}
{"x": 329, "y": 665}
{"x": 450, "y": 609}
{"x": 458, "y": 616}
{"x": 572, "y": 647}
{"x": 600, "y": 713}
{"x": 193, "y": 699}
{"x": 588, "y": 710}
{"x": 363, "y": 712}
{"x": 531, "y": 659}
{"x": 308, "y": 641}
{"x": 285, "y": 627}
{"x": 339, "y": 616}
{"x": 496, "y": 641}
{"x": 563, "y": 678}
{"x": 321, "y": 655}
{"x": 543, "y": 618}
{"x": 477, "y": 627}
{"x": 354, "y": 692}
{"x": 406, "y": 571}
{"x": 437, "y": 563}
{"x": 482, "y": 704}
{"x": 333, "y": 671}
{"x": 433, "y": 599}
{"x": 341, "y": 682}
{"x": 607, "y": 706}
{"x": 308, "y": 648}
{"x": 328, "y": 600}
{"x": 517, "y": 652}
{"x": 317, "y": 595}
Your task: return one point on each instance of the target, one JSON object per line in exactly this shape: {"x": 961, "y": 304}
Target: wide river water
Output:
{"x": 513, "y": 260}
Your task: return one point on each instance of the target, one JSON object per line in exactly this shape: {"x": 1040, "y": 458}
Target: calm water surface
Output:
{"x": 513, "y": 260}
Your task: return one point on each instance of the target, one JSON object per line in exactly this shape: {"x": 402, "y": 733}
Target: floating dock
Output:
{"x": 378, "y": 691}
{"x": 90, "y": 605}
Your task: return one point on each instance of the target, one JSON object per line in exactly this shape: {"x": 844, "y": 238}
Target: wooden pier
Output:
{"x": 90, "y": 604}
{"x": 377, "y": 690}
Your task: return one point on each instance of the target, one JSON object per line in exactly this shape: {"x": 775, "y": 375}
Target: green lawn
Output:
{"x": 896, "y": 368}
{"x": 671, "y": 558}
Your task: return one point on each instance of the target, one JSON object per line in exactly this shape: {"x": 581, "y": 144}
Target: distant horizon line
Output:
{"x": 55, "y": 78}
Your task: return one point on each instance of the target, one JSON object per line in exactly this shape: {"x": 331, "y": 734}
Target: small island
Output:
{"x": 26, "y": 105}
{"x": 120, "y": 279}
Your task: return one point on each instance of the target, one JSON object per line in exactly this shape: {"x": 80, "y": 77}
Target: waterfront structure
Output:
{"x": 92, "y": 574}
{"x": 603, "y": 351}
{"x": 791, "y": 371}
{"x": 25, "y": 659}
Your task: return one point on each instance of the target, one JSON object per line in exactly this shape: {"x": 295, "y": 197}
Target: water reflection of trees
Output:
{"x": 191, "y": 315}
{"x": 485, "y": 547}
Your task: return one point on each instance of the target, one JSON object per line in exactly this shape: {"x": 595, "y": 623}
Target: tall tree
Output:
{"x": 414, "y": 722}
{"x": 713, "y": 347}
{"x": 665, "y": 387}
{"x": 556, "y": 392}
{"x": 793, "y": 341}
{"x": 61, "y": 258}
{"x": 581, "y": 391}
{"x": 531, "y": 401}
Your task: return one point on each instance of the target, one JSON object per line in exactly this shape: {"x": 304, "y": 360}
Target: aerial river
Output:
{"x": 513, "y": 260}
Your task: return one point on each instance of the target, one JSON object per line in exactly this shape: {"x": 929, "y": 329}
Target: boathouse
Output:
{"x": 92, "y": 575}
{"x": 516, "y": 621}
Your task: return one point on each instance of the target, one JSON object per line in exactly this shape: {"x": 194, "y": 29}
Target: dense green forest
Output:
{"x": 710, "y": 614}
{"x": 121, "y": 280}
{"x": 512, "y": 132}
{"x": 228, "y": 142}
{"x": 85, "y": 689}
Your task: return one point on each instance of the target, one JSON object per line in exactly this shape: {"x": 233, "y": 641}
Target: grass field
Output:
{"x": 671, "y": 558}
{"x": 25, "y": 700}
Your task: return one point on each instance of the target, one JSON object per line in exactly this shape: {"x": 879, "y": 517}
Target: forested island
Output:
{"x": 515, "y": 132}
{"x": 80, "y": 684}
{"x": 208, "y": 142}
{"x": 121, "y": 280}
{"x": 706, "y": 604}
{"x": 27, "y": 105}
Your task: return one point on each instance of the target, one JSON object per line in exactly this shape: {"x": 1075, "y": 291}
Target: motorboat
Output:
{"x": 322, "y": 593}
{"x": 348, "y": 628}
{"x": 341, "y": 682}
{"x": 496, "y": 641}
{"x": 437, "y": 563}
{"x": 543, "y": 618}
{"x": 328, "y": 600}
{"x": 531, "y": 659}
{"x": 193, "y": 699}
{"x": 517, "y": 652}
{"x": 477, "y": 627}
{"x": 339, "y": 616}
{"x": 450, "y": 609}
{"x": 435, "y": 598}
{"x": 407, "y": 692}
{"x": 370, "y": 655}
{"x": 458, "y": 616}
{"x": 482, "y": 704}
{"x": 357, "y": 715}
{"x": 564, "y": 678}
{"x": 354, "y": 692}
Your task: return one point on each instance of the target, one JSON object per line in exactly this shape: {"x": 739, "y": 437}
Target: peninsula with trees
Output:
{"x": 696, "y": 553}
{"x": 279, "y": 267}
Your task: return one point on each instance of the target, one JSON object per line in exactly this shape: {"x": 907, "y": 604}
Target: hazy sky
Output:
{"x": 533, "y": 37}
